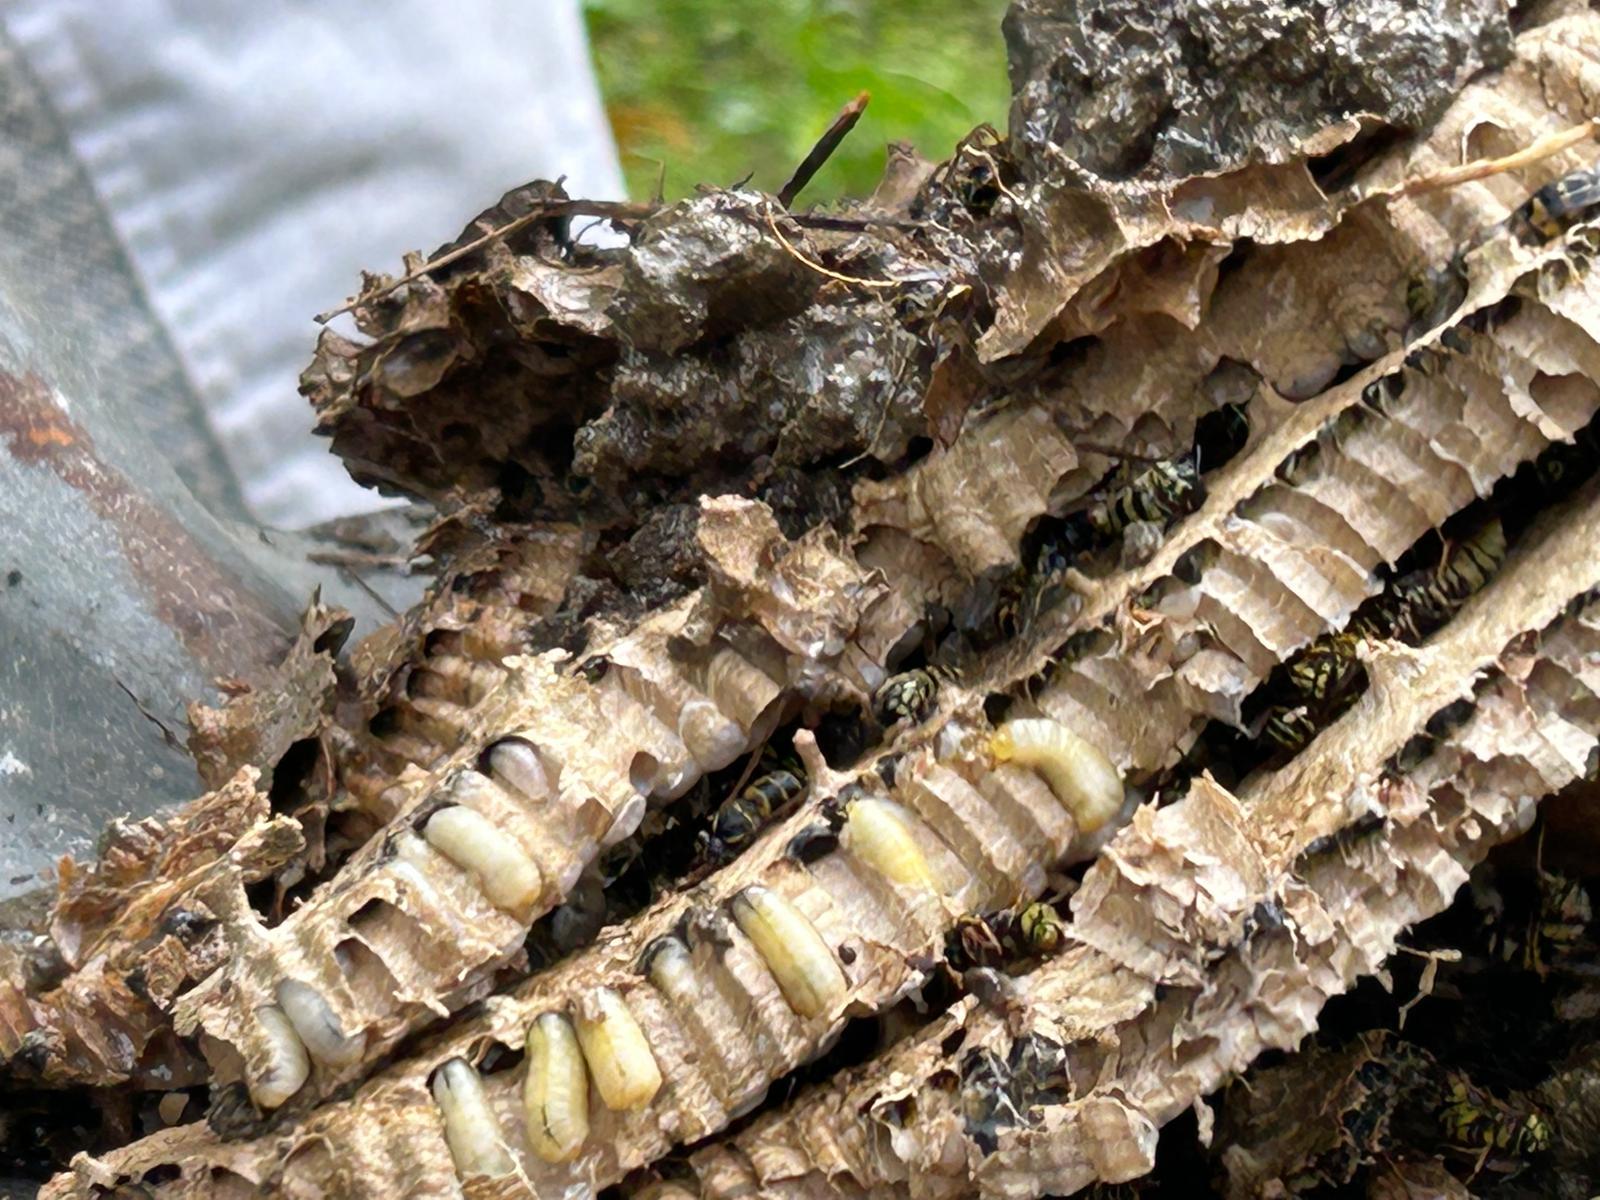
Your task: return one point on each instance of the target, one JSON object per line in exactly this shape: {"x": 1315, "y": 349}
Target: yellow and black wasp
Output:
{"x": 910, "y": 695}
{"x": 1555, "y": 928}
{"x": 1053, "y": 546}
{"x": 1022, "y": 598}
{"x": 1565, "y": 913}
{"x": 974, "y": 177}
{"x": 1426, "y": 598}
{"x": 1160, "y": 492}
{"x": 1556, "y": 207}
{"x": 1322, "y": 681}
{"x": 1344, "y": 840}
{"x": 1477, "y": 1123}
{"x": 1325, "y": 670}
{"x": 740, "y": 818}
{"x": 999, "y": 1093}
{"x": 1004, "y": 937}
{"x": 1290, "y": 728}
{"x": 1137, "y": 491}
{"x": 1325, "y": 678}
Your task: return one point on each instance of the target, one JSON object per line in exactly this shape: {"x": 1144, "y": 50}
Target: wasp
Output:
{"x": 1026, "y": 596}
{"x": 186, "y": 924}
{"x": 1381, "y": 394}
{"x": 1326, "y": 669}
{"x": 1161, "y": 492}
{"x": 910, "y": 695}
{"x": 998, "y": 1093}
{"x": 974, "y": 177}
{"x": 1427, "y": 598}
{"x": 1268, "y": 916}
{"x": 1562, "y": 919}
{"x": 740, "y": 818}
{"x": 1290, "y": 728}
{"x": 1054, "y": 546}
{"x": 1004, "y": 937}
{"x": 1477, "y": 1122}
{"x": 1565, "y": 912}
{"x": 1323, "y": 680}
{"x": 573, "y": 924}
{"x": 1011, "y": 613}
{"x": 815, "y": 841}
{"x": 1556, "y": 206}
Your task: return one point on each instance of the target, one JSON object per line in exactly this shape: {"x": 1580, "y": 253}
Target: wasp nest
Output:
{"x": 915, "y": 698}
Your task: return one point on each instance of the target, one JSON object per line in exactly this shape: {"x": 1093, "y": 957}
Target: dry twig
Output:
{"x": 1482, "y": 168}
{"x": 826, "y": 145}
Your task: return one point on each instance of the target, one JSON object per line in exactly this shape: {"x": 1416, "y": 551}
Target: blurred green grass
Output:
{"x": 717, "y": 90}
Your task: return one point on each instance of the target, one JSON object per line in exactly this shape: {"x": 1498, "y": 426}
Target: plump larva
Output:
{"x": 1082, "y": 777}
{"x": 503, "y": 869}
{"x": 289, "y": 1065}
{"x": 470, "y": 1128}
{"x": 878, "y": 832}
{"x": 555, "y": 1096}
{"x": 620, "y": 1063}
{"x": 318, "y": 1028}
{"x": 808, "y": 975}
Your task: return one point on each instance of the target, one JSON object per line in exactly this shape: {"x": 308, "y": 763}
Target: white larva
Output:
{"x": 620, "y": 1062}
{"x": 555, "y": 1095}
{"x": 288, "y": 1065}
{"x": 313, "y": 1019}
{"x": 878, "y": 832}
{"x": 508, "y": 877}
{"x": 807, "y": 973}
{"x": 1081, "y": 776}
{"x": 470, "y": 1128}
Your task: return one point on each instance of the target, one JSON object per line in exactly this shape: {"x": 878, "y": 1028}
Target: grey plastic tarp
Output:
{"x": 181, "y": 186}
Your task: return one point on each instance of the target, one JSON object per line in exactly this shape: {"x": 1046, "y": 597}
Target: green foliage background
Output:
{"x": 717, "y": 89}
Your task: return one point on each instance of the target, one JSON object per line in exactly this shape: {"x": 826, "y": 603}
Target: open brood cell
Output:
{"x": 423, "y": 682}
